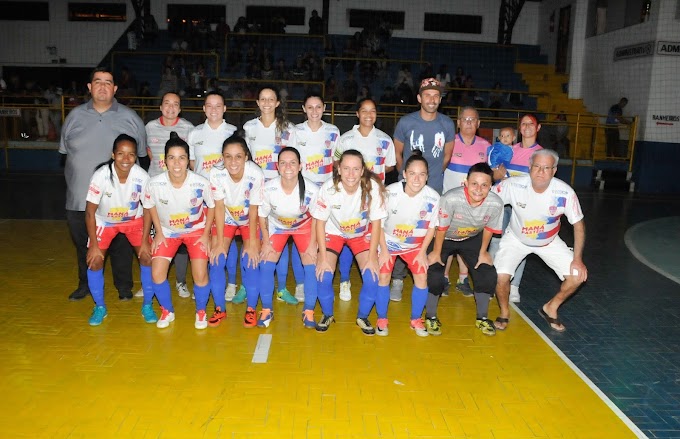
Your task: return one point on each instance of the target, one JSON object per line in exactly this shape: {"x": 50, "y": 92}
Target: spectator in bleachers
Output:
{"x": 349, "y": 52}
{"x": 404, "y": 78}
{"x": 221, "y": 32}
{"x": 388, "y": 97}
{"x": 331, "y": 90}
{"x": 444, "y": 78}
{"x": 364, "y": 93}
{"x": 315, "y": 24}
{"x": 241, "y": 26}
{"x": 459, "y": 79}
{"x": 198, "y": 78}
{"x": 350, "y": 89}
{"x": 169, "y": 82}
{"x": 426, "y": 72}
{"x": 53, "y": 97}
{"x": 299, "y": 71}
{"x": 496, "y": 98}
{"x": 281, "y": 71}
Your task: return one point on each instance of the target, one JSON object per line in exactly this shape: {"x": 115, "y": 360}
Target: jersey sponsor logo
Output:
{"x": 403, "y": 231}
{"x": 94, "y": 189}
{"x": 552, "y": 210}
{"x": 302, "y": 144}
{"x": 210, "y": 160}
{"x": 108, "y": 194}
{"x": 134, "y": 196}
{"x": 336, "y": 206}
{"x": 117, "y": 213}
{"x": 532, "y": 228}
{"x": 423, "y": 214}
{"x": 179, "y": 220}
{"x": 239, "y": 213}
{"x": 522, "y": 205}
{"x": 288, "y": 222}
{"x": 351, "y": 226}
{"x": 443, "y": 214}
{"x": 199, "y": 143}
{"x": 162, "y": 201}
{"x": 313, "y": 163}
{"x": 379, "y": 152}
{"x": 321, "y": 204}
{"x": 465, "y": 231}
{"x": 458, "y": 215}
{"x": 265, "y": 158}
{"x": 194, "y": 201}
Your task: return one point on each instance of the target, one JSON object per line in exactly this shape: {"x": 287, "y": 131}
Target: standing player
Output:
{"x": 205, "y": 148}
{"x": 468, "y": 216}
{"x": 181, "y": 206}
{"x": 266, "y": 135}
{"x": 157, "y": 134}
{"x": 378, "y": 151}
{"x": 237, "y": 190}
{"x": 316, "y": 141}
{"x": 285, "y": 213}
{"x": 468, "y": 149}
{"x": 432, "y": 133}
{"x": 519, "y": 166}
{"x": 349, "y": 208}
{"x": 412, "y": 209}
{"x": 113, "y": 207}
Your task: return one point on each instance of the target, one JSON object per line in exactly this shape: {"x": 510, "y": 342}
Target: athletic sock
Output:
{"x": 147, "y": 283}
{"x": 162, "y": 292}
{"x": 345, "y": 263}
{"x": 202, "y": 294}
{"x": 418, "y": 299}
{"x": 311, "y": 287}
{"x": 266, "y": 283}
{"x": 367, "y": 294}
{"x": 95, "y": 281}
{"x": 325, "y": 292}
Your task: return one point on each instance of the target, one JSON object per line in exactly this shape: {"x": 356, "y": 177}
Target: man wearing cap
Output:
{"x": 432, "y": 133}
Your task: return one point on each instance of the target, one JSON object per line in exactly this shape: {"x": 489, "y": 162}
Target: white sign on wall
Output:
{"x": 634, "y": 51}
{"x": 668, "y": 48}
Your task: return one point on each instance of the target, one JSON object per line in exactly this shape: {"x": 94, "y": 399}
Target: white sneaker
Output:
{"x": 345, "y": 291}
{"x": 166, "y": 318}
{"x": 182, "y": 289}
{"x": 514, "y": 294}
{"x": 230, "y": 292}
{"x": 300, "y": 292}
{"x": 201, "y": 320}
{"x": 140, "y": 293}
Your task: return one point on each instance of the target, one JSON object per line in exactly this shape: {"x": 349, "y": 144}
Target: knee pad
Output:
{"x": 485, "y": 279}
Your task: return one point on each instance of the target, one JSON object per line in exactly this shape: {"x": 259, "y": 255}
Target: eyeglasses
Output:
{"x": 468, "y": 119}
{"x": 542, "y": 168}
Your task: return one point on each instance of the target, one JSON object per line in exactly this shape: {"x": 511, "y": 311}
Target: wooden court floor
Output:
{"x": 61, "y": 378}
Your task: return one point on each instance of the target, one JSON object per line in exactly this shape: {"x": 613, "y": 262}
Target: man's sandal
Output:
{"x": 501, "y": 321}
{"x": 551, "y": 321}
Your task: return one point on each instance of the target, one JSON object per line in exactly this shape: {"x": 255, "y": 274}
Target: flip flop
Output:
{"x": 551, "y": 321}
{"x": 502, "y": 320}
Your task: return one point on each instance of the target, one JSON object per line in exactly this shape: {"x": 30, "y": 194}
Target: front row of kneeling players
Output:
{"x": 406, "y": 219}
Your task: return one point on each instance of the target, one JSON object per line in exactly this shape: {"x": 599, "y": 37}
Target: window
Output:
{"x": 97, "y": 12}
{"x": 266, "y": 16}
{"x": 368, "y": 18}
{"x": 210, "y": 13}
{"x": 25, "y": 11}
{"x": 463, "y": 24}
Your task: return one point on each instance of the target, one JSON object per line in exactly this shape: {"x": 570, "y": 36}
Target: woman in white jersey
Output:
{"x": 205, "y": 149}
{"x": 316, "y": 141}
{"x": 285, "y": 213}
{"x": 113, "y": 207}
{"x": 349, "y": 210}
{"x": 377, "y": 149}
{"x": 157, "y": 134}
{"x": 237, "y": 189}
{"x": 412, "y": 207}
{"x": 181, "y": 207}
{"x": 266, "y": 135}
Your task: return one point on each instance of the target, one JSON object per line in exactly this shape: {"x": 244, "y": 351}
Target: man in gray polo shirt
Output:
{"x": 87, "y": 140}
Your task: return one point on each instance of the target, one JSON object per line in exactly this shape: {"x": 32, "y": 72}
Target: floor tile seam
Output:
{"x": 630, "y": 244}
{"x": 608, "y": 402}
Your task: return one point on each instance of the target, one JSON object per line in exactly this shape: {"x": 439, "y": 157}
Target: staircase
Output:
{"x": 543, "y": 81}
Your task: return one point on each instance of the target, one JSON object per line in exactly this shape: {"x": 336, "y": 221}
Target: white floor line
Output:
{"x": 630, "y": 243}
{"x": 634, "y": 428}
{"x": 264, "y": 342}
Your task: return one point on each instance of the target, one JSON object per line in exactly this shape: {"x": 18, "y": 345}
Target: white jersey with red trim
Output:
{"x": 265, "y": 144}
{"x": 238, "y": 196}
{"x": 284, "y": 211}
{"x": 346, "y": 215}
{"x": 205, "y": 146}
{"x": 462, "y": 221}
{"x": 117, "y": 203}
{"x": 316, "y": 150}
{"x": 377, "y": 149}
{"x": 157, "y": 135}
{"x": 180, "y": 210}
{"x": 409, "y": 218}
{"x": 462, "y": 158}
{"x": 535, "y": 219}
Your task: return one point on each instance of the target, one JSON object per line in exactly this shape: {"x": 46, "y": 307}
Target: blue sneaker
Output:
{"x": 285, "y": 296}
{"x": 149, "y": 314}
{"x": 98, "y": 315}
{"x": 240, "y": 296}
{"x": 265, "y": 318}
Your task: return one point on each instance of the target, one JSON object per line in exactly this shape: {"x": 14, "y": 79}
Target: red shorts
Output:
{"x": 231, "y": 231}
{"x": 334, "y": 243}
{"x": 131, "y": 229}
{"x": 408, "y": 258}
{"x": 301, "y": 240}
{"x": 198, "y": 251}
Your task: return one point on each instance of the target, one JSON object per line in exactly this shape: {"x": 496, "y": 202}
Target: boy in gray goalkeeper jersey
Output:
{"x": 468, "y": 216}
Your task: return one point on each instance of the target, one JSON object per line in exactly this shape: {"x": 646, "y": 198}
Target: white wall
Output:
{"x": 83, "y": 44}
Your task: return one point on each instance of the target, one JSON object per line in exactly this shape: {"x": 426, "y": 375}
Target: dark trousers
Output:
{"x": 483, "y": 278}
{"x": 120, "y": 252}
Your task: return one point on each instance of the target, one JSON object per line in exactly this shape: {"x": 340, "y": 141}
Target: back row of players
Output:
{"x": 324, "y": 190}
